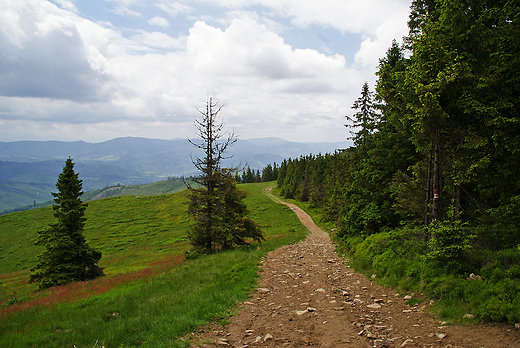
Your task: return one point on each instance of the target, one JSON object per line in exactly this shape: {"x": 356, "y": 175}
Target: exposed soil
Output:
{"x": 309, "y": 297}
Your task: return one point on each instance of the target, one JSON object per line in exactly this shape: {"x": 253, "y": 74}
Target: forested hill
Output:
{"x": 161, "y": 157}
{"x": 431, "y": 188}
{"x": 28, "y": 169}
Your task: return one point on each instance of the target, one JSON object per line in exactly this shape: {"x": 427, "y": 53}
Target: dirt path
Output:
{"x": 309, "y": 297}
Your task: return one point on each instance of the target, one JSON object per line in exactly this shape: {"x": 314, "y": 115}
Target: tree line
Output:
{"x": 429, "y": 193}
{"x": 438, "y": 139}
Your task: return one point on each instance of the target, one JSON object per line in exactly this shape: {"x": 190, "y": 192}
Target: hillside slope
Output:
{"x": 28, "y": 169}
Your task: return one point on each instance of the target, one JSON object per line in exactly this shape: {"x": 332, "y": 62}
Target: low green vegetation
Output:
{"x": 149, "y": 297}
{"x": 171, "y": 185}
{"x": 15, "y": 194}
{"x": 482, "y": 283}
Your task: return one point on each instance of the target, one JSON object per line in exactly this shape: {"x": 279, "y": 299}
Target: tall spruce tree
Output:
{"x": 68, "y": 257}
{"x": 219, "y": 216}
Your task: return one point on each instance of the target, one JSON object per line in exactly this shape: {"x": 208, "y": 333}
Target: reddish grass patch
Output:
{"x": 82, "y": 290}
{"x": 115, "y": 260}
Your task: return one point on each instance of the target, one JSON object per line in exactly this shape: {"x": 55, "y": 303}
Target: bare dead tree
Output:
{"x": 216, "y": 209}
{"x": 211, "y": 131}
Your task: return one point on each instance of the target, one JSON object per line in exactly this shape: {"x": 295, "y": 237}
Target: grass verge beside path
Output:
{"x": 157, "y": 309}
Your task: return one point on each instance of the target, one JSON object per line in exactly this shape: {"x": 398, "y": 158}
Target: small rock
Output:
{"x": 268, "y": 337}
{"x": 517, "y": 326}
{"x": 258, "y": 339}
{"x": 320, "y": 290}
{"x": 378, "y": 343}
{"x": 222, "y": 343}
{"x": 407, "y": 311}
{"x": 468, "y": 316}
{"x": 440, "y": 336}
{"x": 407, "y": 343}
{"x": 374, "y": 305}
{"x": 373, "y": 276}
{"x": 310, "y": 309}
{"x": 264, "y": 290}
{"x": 301, "y": 312}
{"x": 408, "y": 297}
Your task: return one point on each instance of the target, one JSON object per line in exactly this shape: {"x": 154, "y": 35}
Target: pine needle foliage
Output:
{"x": 67, "y": 257}
{"x": 220, "y": 218}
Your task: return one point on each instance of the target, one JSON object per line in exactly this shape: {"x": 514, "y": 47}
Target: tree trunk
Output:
{"x": 437, "y": 184}
{"x": 428, "y": 195}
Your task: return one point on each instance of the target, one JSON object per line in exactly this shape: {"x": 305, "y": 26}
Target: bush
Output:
{"x": 449, "y": 244}
{"x": 401, "y": 258}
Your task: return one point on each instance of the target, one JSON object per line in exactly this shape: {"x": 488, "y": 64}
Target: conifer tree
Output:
{"x": 68, "y": 257}
{"x": 219, "y": 216}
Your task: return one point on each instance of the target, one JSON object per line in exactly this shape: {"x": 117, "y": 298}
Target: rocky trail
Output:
{"x": 309, "y": 297}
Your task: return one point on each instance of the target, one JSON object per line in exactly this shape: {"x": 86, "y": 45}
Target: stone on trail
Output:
{"x": 440, "y": 336}
{"x": 407, "y": 343}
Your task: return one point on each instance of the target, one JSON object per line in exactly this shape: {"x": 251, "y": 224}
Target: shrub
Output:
{"x": 449, "y": 243}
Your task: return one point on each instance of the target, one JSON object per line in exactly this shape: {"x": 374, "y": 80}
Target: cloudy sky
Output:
{"x": 95, "y": 70}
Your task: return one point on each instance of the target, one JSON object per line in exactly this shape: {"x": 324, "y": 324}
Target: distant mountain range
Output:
{"x": 29, "y": 169}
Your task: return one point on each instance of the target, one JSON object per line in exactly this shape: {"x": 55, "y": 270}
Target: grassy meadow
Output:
{"x": 150, "y": 296}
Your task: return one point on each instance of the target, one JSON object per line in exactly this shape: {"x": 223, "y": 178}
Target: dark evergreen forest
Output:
{"x": 429, "y": 196}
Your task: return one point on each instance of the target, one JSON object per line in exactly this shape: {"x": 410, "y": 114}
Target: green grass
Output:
{"x": 173, "y": 185}
{"x": 148, "y": 298}
{"x": 18, "y": 194}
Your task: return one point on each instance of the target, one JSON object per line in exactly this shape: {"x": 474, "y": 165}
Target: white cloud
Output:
{"x": 122, "y": 8}
{"x": 174, "y": 8}
{"x": 66, "y": 5}
{"x": 44, "y": 55}
{"x": 126, "y": 12}
{"x": 159, "y": 21}
{"x": 378, "y": 21}
{"x": 159, "y": 40}
{"x": 60, "y": 71}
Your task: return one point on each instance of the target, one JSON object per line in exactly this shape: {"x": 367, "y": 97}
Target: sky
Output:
{"x": 95, "y": 70}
